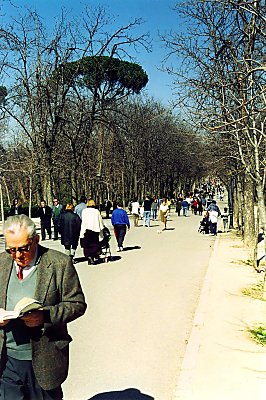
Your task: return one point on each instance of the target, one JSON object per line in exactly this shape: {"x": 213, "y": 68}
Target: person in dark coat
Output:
{"x": 45, "y": 215}
{"x": 16, "y": 208}
{"x": 70, "y": 224}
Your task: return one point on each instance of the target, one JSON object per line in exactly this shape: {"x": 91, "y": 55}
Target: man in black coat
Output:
{"x": 45, "y": 214}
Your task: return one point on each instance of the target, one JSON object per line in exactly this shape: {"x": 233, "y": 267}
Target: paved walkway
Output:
{"x": 221, "y": 361}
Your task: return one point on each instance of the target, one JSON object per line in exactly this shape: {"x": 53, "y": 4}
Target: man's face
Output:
{"x": 42, "y": 203}
{"x": 21, "y": 248}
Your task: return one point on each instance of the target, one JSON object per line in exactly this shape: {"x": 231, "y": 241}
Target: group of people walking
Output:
{"x": 148, "y": 210}
{"x": 82, "y": 223}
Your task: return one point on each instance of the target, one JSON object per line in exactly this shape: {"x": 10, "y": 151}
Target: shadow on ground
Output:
{"x": 131, "y": 248}
{"x": 128, "y": 394}
{"x": 97, "y": 262}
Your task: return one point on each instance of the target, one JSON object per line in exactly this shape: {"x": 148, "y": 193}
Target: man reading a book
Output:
{"x": 34, "y": 347}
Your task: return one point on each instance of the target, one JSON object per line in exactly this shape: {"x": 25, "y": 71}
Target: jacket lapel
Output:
{"x": 44, "y": 275}
{"x": 5, "y": 272}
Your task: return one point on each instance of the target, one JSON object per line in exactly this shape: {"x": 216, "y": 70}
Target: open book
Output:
{"x": 23, "y": 306}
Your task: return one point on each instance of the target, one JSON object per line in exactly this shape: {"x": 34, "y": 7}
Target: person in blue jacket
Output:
{"x": 120, "y": 223}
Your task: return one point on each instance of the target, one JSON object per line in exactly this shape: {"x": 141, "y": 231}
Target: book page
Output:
{"x": 23, "y": 306}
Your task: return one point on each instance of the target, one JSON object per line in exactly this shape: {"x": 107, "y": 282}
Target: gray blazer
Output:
{"x": 59, "y": 289}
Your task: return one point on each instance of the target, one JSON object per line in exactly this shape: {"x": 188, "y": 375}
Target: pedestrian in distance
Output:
{"x": 34, "y": 348}
{"x": 147, "y": 211}
{"x": 178, "y": 205}
{"x": 80, "y": 207}
{"x": 57, "y": 210}
{"x": 108, "y": 206}
{"x": 120, "y": 223}
{"x": 45, "y": 215}
{"x": 214, "y": 213}
{"x": 16, "y": 208}
{"x": 91, "y": 228}
{"x": 70, "y": 230}
{"x": 225, "y": 218}
{"x": 164, "y": 212}
{"x": 154, "y": 209}
{"x": 135, "y": 212}
{"x": 185, "y": 206}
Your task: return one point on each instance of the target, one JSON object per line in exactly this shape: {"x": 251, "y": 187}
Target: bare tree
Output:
{"x": 222, "y": 82}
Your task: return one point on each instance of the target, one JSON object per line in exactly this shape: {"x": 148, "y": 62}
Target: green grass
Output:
{"x": 254, "y": 291}
{"x": 259, "y": 335}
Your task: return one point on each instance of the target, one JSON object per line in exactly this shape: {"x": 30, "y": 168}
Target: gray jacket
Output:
{"x": 59, "y": 289}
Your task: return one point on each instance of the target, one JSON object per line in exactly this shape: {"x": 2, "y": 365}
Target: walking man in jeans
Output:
{"x": 147, "y": 212}
{"x": 120, "y": 223}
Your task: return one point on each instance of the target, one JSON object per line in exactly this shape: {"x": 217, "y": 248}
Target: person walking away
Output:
{"x": 204, "y": 202}
{"x": 91, "y": 228}
{"x": 120, "y": 223}
{"x": 70, "y": 225}
{"x": 45, "y": 215}
{"x": 194, "y": 205}
{"x": 178, "y": 205}
{"x": 214, "y": 213}
{"x": 200, "y": 207}
{"x": 80, "y": 207}
{"x": 147, "y": 212}
{"x": 185, "y": 207}
{"x": 225, "y": 218}
{"x": 135, "y": 212}
{"x": 164, "y": 212}
{"x": 57, "y": 210}
{"x": 34, "y": 348}
{"x": 108, "y": 206}
{"x": 154, "y": 209}
{"x": 16, "y": 208}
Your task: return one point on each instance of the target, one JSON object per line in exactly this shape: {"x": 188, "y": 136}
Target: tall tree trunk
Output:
{"x": 248, "y": 215}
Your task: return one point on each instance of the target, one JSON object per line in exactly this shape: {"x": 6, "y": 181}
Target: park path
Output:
{"x": 140, "y": 311}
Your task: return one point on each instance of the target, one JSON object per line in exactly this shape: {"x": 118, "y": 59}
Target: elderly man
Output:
{"x": 34, "y": 348}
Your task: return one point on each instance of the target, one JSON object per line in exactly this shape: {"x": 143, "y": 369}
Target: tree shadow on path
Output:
{"x": 128, "y": 394}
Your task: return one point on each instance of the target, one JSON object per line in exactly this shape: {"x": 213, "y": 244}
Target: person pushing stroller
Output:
{"x": 205, "y": 224}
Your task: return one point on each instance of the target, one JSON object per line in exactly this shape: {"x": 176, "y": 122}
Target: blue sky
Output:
{"x": 157, "y": 14}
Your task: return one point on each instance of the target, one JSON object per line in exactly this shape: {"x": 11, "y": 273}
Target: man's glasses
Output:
{"x": 22, "y": 249}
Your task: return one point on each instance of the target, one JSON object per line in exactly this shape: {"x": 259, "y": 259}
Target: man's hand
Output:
{"x": 33, "y": 318}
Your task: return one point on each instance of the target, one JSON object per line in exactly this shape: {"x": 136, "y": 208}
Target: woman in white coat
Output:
{"x": 91, "y": 227}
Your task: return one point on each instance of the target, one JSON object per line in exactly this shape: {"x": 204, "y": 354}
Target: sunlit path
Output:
{"x": 140, "y": 312}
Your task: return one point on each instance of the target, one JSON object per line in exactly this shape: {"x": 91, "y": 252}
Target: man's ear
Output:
{"x": 37, "y": 238}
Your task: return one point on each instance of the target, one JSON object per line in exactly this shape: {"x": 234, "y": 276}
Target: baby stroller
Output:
{"x": 204, "y": 226}
{"x": 105, "y": 246}
{"x": 93, "y": 248}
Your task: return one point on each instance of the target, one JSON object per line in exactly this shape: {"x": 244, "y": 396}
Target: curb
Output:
{"x": 184, "y": 387}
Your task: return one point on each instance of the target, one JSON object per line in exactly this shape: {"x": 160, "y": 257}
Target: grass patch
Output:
{"x": 259, "y": 335}
{"x": 249, "y": 263}
{"x": 255, "y": 291}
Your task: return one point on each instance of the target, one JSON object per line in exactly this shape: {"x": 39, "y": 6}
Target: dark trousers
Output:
{"x": 213, "y": 228}
{"x": 56, "y": 227}
{"x": 120, "y": 233}
{"x": 18, "y": 383}
{"x": 46, "y": 226}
